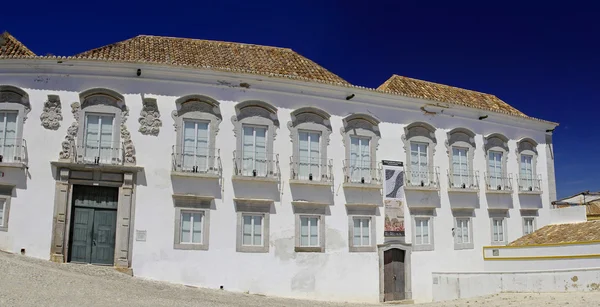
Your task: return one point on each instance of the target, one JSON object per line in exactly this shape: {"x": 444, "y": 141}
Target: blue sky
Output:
{"x": 542, "y": 59}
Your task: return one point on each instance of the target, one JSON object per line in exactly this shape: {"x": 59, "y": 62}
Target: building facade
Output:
{"x": 254, "y": 169}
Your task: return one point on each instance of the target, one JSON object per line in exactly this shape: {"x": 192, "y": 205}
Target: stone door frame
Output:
{"x": 63, "y": 205}
{"x": 381, "y": 249}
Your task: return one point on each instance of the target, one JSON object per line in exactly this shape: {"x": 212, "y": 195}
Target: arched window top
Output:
{"x": 310, "y": 115}
{"x": 496, "y": 140}
{"x": 102, "y": 96}
{"x": 361, "y": 120}
{"x": 9, "y": 93}
{"x": 461, "y": 135}
{"x": 256, "y": 108}
{"x": 420, "y": 129}
{"x": 197, "y": 103}
{"x": 527, "y": 144}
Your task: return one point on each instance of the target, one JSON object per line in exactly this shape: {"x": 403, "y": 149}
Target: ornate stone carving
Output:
{"x": 149, "y": 120}
{"x": 126, "y": 138}
{"x": 6, "y": 96}
{"x": 70, "y": 139}
{"x": 495, "y": 141}
{"x": 526, "y": 144}
{"x": 52, "y": 113}
{"x": 103, "y": 100}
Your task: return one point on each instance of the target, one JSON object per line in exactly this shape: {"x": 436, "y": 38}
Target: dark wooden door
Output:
{"x": 393, "y": 275}
{"x": 81, "y": 237}
{"x": 103, "y": 238}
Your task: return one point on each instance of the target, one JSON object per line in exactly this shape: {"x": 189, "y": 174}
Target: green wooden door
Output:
{"x": 103, "y": 241}
{"x": 81, "y": 244}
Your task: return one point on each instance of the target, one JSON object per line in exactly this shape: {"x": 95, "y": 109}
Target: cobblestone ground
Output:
{"x": 31, "y": 282}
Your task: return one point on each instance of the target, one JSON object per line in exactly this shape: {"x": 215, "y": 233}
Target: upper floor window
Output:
{"x": 310, "y": 129}
{"x": 496, "y": 149}
{"x": 419, "y": 144}
{"x": 255, "y": 126}
{"x": 461, "y": 145}
{"x": 197, "y": 120}
{"x": 14, "y": 107}
{"x": 99, "y": 138}
{"x": 528, "y": 178}
{"x": 361, "y": 137}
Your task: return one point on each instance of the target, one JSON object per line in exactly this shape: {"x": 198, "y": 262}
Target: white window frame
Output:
{"x": 10, "y": 155}
{"x": 320, "y": 162}
{"x": 371, "y": 247}
{"x": 419, "y": 246}
{"x": 268, "y": 158}
{"x": 192, "y": 229}
{"x": 357, "y": 165}
{"x": 463, "y": 178}
{"x": 115, "y": 147}
{"x": 530, "y": 171}
{"x": 463, "y": 245}
{"x": 203, "y": 245}
{"x": 533, "y": 224}
{"x": 504, "y": 230}
{"x": 5, "y": 198}
{"x": 320, "y": 247}
{"x": 208, "y": 143}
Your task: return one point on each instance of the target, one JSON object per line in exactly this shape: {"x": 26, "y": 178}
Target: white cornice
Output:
{"x": 263, "y": 83}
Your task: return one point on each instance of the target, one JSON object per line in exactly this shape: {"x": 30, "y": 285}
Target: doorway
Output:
{"x": 93, "y": 227}
{"x": 394, "y": 275}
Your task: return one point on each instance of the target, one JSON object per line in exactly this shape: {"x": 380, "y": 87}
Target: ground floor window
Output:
{"x": 422, "y": 232}
{"x": 528, "y": 225}
{"x": 191, "y": 227}
{"x": 310, "y": 232}
{"x": 498, "y": 230}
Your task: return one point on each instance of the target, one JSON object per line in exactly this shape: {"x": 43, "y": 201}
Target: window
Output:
{"x": 527, "y": 171}
{"x": 254, "y": 151}
{"x": 309, "y": 159}
{"x": 309, "y": 233}
{"x": 528, "y": 225}
{"x": 195, "y": 146}
{"x": 8, "y": 135}
{"x": 99, "y": 143}
{"x": 460, "y": 167}
{"x": 498, "y": 230}
{"x": 419, "y": 163}
{"x": 463, "y": 230}
{"x": 495, "y": 168}
{"x": 422, "y": 231}
{"x": 191, "y": 227}
{"x": 191, "y": 224}
{"x": 2, "y": 209}
{"x": 360, "y": 159}
{"x": 252, "y": 231}
{"x": 362, "y": 230}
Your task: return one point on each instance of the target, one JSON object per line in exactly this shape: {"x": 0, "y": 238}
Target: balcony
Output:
{"x": 499, "y": 184}
{"x": 418, "y": 180}
{"x": 196, "y": 162}
{"x": 358, "y": 174}
{"x": 311, "y": 172}
{"x": 99, "y": 153}
{"x": 13, "y": 152}
{"x": 256, "y": 167}
{"x": 463, "y": 182}
{"x": 530, "y": 185}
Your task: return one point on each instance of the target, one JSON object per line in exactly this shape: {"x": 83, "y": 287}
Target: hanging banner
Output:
{"x": 393, "y": 199}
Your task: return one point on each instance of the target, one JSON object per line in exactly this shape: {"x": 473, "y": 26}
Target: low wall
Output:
{"x": 567, "y": 215}
{"x": 450, "y": 286}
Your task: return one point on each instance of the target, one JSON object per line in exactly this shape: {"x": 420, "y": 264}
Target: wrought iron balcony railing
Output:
{"x": 255, "y": 164}
{"x": 498, "y": 182}
{"x": 530, "y": 184}
{"x": 305, "y": 169}
{"x": 463, "y": 180}
{"x": 13, "y": 150}
{"x": 100, "y": 153}
{"x": 362, "y": 172}
{"x": 201, "y": 160}
{"x": 422, "y": 179}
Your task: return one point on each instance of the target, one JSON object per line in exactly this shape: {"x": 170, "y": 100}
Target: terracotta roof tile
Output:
{"x": 447, "y": 94}
{"x": 562, "y": 233}
{"x": 10, "y": 46}
{"x": 213, "y": 55}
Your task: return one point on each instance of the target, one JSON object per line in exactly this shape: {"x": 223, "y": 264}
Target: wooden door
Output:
{"x": 103, "y": 239}
{"x": 393, "y": 275}
{"x": 81, "y": 237}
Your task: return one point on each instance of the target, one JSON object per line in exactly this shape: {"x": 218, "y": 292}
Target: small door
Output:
{"x": 81, "y": 238}
{"x": 393, "y": 275}
{"x": 103, "y": 238}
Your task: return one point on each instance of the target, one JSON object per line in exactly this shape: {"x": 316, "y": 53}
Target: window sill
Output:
{"x": 255, "y": 179}
{"x": 362, "y": 249}
{"x": 300, "y": 249}
{"x": 527, "y": 192}
{"x": 190, "y": 246}
{"x": 421, "y": 188}
{"x": 465, "y": 190}
{"x": 252, "y": 249}
{"x": 498, "y": 243}
{"x": 422, "y": 248}
{"x": 462, "y": 246}
{"x": 13, "y": 164}
{"x": 357, "y": 185}
{"x": 194, "y": 175}
{"x": 311, "y": 182}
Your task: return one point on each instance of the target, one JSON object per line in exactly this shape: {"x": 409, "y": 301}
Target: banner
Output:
{"x": 393, "y": 191}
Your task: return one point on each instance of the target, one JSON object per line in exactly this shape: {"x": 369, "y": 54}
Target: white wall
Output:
{"x": 567, "y": 215}
{"x": 335, "y": 274}
{"x": 450, "y": 286}
{"x": 522, "y": 258}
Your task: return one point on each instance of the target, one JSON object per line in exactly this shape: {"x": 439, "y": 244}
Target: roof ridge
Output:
{"x": 445, "y": 85}
{"x": 214, "y": 41}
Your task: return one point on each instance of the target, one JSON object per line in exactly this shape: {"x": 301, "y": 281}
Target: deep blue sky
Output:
{"x": 542, "y": 59}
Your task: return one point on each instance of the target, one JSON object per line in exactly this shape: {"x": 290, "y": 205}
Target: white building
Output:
{"x": 254, "y": 169}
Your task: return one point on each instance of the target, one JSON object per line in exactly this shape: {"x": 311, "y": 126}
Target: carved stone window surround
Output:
{"x": 419, "y": 133}
{"x": 496, "y": 142}
{"x": 198, "y": 108}
{"x": 527, "y": 146}
{"x": 463, "y": 139}
{"x": 13, "y": 99}
{"x": 362, "y": 126}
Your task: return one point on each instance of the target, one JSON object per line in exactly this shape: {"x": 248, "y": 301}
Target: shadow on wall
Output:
{"x": 464, "y": 200}
{"x": 16, "y": 177}
{"x": 530, "y": 201}
{"x": 499, "y": 201}
{"x": 318, "y": 194}
{"x": 196, "y": 186}
{"x": 256, "y": 190}
{"x": 423, "y": 199}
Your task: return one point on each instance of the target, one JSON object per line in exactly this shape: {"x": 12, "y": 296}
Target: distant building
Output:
{"x": 591, "y": 201}
{"x": 253, "y": 168}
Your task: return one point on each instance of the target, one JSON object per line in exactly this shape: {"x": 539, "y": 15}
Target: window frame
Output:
{"x": 209, "y": 157}
{"x": 504, "y": 220}
{"x": 430, "y": 246}
{"x": 362, "y": 126}
{"x": 533, "y": 224}
{"x": 14, "y": 99}
{"x": 462, "y": 138}
{"x": 528, "y": 147}
{"x": 497, "y": 143}
{"x": 244, "y": 209}
{"x": 190, "y": 207}
{"x": 115, "y": 135}
{"x": 420, "y": 132}
{"x": 321, "y": 161}
{"x": 6, "y": 195}
{"x": 321, "y": 233}
{"x": 310, "y": 119}
{"x": 466, "y": 215}
{"x": 16, "y": 152}
{"x": 372, "y": 246}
